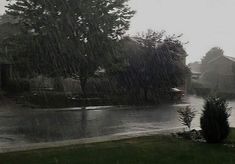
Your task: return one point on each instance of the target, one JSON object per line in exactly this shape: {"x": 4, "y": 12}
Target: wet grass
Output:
{"x": 146, "y": 150}
{"x": 231, "y": 137}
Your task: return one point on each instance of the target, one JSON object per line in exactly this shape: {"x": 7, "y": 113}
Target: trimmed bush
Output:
{"x": 214, "y": 120}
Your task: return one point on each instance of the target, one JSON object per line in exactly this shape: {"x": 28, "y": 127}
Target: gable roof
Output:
{"x": 226, "y": 57}
{"x": 230, "y": 58}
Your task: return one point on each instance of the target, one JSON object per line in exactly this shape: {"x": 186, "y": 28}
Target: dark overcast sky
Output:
{"x": 204, "y": 23}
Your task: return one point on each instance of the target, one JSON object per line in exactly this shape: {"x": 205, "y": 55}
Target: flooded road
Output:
{"x": 22, "y": 125}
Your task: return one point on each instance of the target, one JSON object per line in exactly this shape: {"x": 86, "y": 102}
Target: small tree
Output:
{"x": 214, "y": 120}
{"x": 186, "y": 116}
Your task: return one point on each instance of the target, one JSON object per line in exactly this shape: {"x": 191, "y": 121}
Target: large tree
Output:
{"x": 72, "y": 36}
{"x": 210, "y": 55}
{"x": 153, "y": 64}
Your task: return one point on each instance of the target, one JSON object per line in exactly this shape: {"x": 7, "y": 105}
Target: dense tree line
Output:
{"x": 75, "y": 38}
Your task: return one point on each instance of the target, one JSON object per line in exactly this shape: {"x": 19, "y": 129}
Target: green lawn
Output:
{"x": 149, "y": 150}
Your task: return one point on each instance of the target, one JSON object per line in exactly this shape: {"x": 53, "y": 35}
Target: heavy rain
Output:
{"x": 134, "y": 79}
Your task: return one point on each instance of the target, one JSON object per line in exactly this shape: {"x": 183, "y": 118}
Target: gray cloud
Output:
{"x": 204, "y": 23}
{"x": 2, "y": 4}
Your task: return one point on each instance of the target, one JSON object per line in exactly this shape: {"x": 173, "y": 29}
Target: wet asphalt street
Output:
{"x": 20, "y": 125}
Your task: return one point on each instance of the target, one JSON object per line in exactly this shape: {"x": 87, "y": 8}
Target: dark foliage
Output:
{"x": 213, "y": 53}
{"x": 69, "y": 37}
{"x": 152, "y": 64}
{"x": 214, "y": 120}
{"x": 17, "y": 86}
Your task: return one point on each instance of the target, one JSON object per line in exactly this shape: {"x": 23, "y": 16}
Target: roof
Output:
{"x": 230, "y": 58}
{"x": 176, "y": 90}
{"x": 196, "y": 73}
{"x": 226, "y": 57}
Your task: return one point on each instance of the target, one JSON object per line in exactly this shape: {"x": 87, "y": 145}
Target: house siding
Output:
{"x": 220, "y": 75}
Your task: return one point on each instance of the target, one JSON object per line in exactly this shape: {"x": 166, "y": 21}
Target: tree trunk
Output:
{"x": 146, "y": 94}
{"x": 57, "y": 84}
{"x": 83, "y": 86}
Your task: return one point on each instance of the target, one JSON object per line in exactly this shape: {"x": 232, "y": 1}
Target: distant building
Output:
{"x": 220, "y": 74}
{"x": 195, "y": 69}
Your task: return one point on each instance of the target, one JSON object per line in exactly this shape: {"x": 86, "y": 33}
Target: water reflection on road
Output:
{"x": 25, "y": 125}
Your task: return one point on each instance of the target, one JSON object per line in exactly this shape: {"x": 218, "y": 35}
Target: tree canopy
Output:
{"x": 72, "y": 36}
{"x": 153, "y": 64}
{"x": 210, "y": 55}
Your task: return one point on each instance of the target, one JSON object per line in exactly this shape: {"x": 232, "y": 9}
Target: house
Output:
{"x": 195, "y": 69}
{"x": 220, "y": 75}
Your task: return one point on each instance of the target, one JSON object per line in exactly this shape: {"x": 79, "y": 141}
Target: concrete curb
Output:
{"x": 115, "y": 137}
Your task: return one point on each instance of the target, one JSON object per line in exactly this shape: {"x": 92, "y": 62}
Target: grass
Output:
{"x": 146, "y": 150}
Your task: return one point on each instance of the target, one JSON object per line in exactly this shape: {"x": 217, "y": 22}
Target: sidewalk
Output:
{"x": 116, "y": 137}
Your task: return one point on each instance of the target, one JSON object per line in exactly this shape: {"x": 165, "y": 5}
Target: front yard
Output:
{"x": 150, "y": 150}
